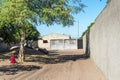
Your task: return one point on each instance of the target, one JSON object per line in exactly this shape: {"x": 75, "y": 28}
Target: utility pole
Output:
{"x": 78, "y": 29}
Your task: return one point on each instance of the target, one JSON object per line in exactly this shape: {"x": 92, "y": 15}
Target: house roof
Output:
{"x": 55, "y": 34}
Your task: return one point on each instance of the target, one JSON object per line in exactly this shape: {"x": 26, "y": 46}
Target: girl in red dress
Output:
{"x": 12, "y": 59}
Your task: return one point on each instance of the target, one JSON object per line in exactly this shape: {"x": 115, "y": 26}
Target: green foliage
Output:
{"x": 19, "y": 13}
{"x": 1, "y": 1}
{"x": 14, "y": 18}
{"x": 108, "y": 1}
{"x": 14, "y": 12}
{"x": 31, "y": 33}
{"x": 88, "y": 28}
{"x": 55, "y": 11}
{"x": 11, "y": 34}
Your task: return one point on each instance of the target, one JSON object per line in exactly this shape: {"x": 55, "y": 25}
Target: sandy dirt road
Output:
{"x": 83, "y": 69}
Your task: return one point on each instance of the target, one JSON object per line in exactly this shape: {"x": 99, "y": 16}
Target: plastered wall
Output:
{"x": 105, "y": 41}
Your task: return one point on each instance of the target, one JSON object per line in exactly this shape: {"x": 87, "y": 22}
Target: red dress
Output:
{"x": 12, "y": 59}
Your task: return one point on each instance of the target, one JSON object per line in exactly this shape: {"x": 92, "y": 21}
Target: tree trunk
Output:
{"x": 21, "y": 56}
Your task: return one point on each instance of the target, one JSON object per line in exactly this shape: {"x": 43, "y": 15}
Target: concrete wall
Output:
{"x": 43, "y": 45}
{"x": 105, "y": 41}
{"x": 84, "y": 43}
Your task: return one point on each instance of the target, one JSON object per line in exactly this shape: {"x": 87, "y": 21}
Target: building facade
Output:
{"x": 57, "y": 41}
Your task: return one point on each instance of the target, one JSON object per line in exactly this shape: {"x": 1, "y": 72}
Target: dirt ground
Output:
{"x": 58, "y": 65}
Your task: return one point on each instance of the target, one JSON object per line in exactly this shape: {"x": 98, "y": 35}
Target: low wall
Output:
{"x": 105, "y": 41}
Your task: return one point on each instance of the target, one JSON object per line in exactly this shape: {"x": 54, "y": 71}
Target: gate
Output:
{"x": 57, "y": 44}
{"x": 70, "y": 44}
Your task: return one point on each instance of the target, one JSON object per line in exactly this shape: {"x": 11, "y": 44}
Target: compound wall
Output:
{"x": 105, "y": 41}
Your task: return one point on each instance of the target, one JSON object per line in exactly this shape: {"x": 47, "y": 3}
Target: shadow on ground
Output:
{"x": 54, "y": 59}
{"x": 28, "y": 52}
{"x": 53, "y": 51}
{"x": 14, "y": 69}
{"x": 2, "y": 56}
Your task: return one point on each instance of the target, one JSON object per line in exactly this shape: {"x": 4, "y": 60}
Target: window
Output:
{"x": 45, "y": 41}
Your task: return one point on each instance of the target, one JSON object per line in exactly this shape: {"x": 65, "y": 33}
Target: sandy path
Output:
{"x": 78, "y": 70}
{"x": 70, "y": 70}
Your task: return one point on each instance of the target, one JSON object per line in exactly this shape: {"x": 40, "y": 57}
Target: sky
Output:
{"x": 82, "y": 20}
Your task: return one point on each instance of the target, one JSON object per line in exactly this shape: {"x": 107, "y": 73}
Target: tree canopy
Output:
{"x": 55, "y": 11}
{"x": 11, "y": 34}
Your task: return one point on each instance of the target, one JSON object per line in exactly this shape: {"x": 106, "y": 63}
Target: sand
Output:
{"x": 81, "y": 69}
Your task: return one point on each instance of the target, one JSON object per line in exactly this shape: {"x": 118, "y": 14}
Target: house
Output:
{"x": 57, "y": 41}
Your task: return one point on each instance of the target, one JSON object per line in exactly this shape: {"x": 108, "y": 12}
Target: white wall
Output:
{"x": 105, "y": 41}
{"x": 84, "y": 43}
{"x": 50, "y": 37}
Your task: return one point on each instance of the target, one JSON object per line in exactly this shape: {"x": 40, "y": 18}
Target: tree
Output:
{"x": 15, "y": 12}
{"x": 31, "y": 33}
{"x": 22, "y": 12}
{"x": 11, "y": 34}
